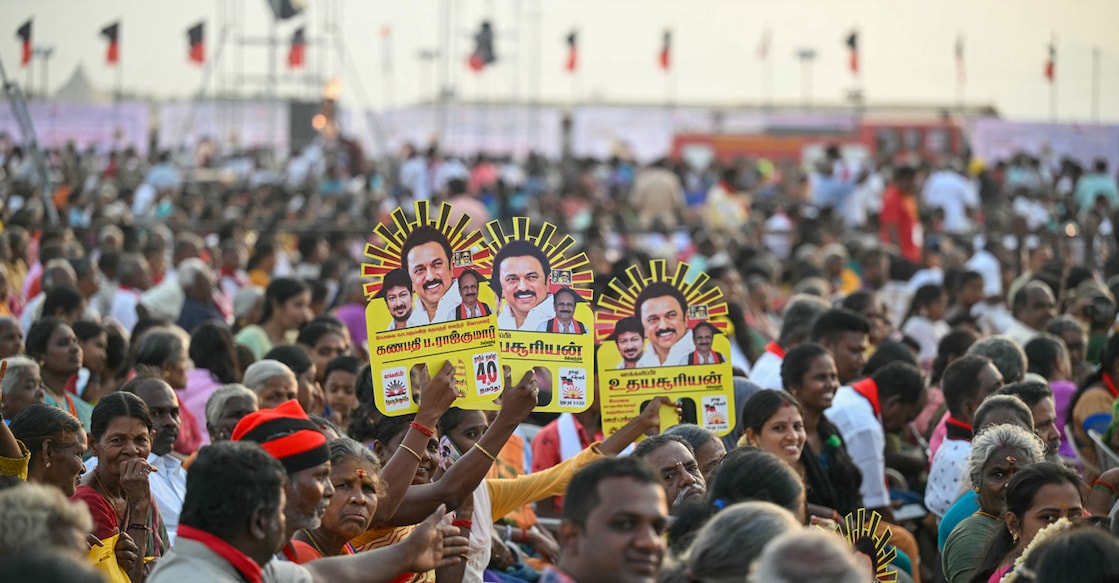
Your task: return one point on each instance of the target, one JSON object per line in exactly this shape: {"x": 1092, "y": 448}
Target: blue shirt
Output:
{"x": 964, "y": 506}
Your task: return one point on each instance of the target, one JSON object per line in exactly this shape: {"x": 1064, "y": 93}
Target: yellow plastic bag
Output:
{"x": 104, "y": 558}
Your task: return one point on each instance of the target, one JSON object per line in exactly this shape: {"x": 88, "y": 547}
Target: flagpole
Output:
{"x": 1096, "y": 84}
{"x": 1053, "y": 80}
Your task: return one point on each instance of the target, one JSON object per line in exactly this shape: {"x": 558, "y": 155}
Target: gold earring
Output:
{"x": 48, "y": 464}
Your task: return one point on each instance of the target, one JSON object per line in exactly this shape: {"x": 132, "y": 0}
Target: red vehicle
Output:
{"x": 877, "y": 140}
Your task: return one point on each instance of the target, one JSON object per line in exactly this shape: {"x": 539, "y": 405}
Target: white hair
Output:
{"x": 217, "y": 401}
{"x": 16, "y": 366}
{"x": 190, "y": 269}
{"x": 809, "y": 556}
{"x": 34, "y": 514}
{"x": 262, "y": 371}
{"x": 726, "y": 547}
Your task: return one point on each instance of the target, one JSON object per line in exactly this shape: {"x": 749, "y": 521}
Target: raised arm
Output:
{"x": 469, "y": 471}
{"x": 437, "y": 396}
{"x": 432, "y": 545}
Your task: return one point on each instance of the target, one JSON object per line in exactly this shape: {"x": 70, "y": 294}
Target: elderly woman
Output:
{"x": 997, "y": 453}
{"x": 356, "y": 475}
{"x": 162, "y": 353}
{"x": 307, "y": 390}
{"x": 1035, "y": 497}
{"x": 272, "y": 381}
{"x": 226, "y": 407}
{"x": 727, "y": 546}
{"x": 22, "y": 386}
{"x": 57, "y": 443}
{"x": 117, "y": 491}
{"x": 53, "y": 344}
{"x": 35, "y": 515}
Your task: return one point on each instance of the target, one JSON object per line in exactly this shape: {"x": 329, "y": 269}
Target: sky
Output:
{"x": 906, "y": 50}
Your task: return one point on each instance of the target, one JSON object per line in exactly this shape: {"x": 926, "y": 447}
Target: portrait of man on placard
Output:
{"x": 520, "y": 278}
{"x": 629, "y": 336}
{"x": 426, "y": 258}
{"x": 703, "y": 334}
{"x": 469, "y": 282}
{"x": 396, "y": 290}
{"x": 662, "y": 311}
{"x": 564, "y": 301}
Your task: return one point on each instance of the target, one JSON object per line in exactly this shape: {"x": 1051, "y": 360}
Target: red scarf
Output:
{"x": 958, "y": 430}
{"x": 1110, "y": 384}
{"x": 714, "y": 357}
{"x": 574, "y": 325}
{"x": 776, "y": 350}
{"x": 869, "y": 390}
{"x": 482, "y": 309}
{"x": 248, "y": 568}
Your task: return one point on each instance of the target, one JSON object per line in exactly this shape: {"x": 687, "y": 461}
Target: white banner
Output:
{"x": 104, "y": 126}
{"x": 994, "y": 139}
{"x": 237, "y": 124}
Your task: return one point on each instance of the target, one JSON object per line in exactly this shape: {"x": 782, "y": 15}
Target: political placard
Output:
{"x": 544, "y": 319}
{"x": 431, "y": 302}
{"x": 662, "y": 334}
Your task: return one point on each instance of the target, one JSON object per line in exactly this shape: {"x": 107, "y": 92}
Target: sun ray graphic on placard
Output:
{"x": 696, "y": 292}
{"x": 865, "y": 532}
{"x": 579, "y": 266}
{"x": 393, "y": 235}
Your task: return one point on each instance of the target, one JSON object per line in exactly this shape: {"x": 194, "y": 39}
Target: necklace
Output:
{"x": 987, "y": 514}
{"x": 116, "y": 501}
{"x": 311, "y": 538}
{"x": 63, "y": 398}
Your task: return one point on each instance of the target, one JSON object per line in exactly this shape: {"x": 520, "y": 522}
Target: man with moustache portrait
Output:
{"x": 426, "y": 258}
{"x": 564, "y": 301}
{"x": 662, "y": 310}
{"x": 520, "y": 277}
{"x": 468, "y": 283}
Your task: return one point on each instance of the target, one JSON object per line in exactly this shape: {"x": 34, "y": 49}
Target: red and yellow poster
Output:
{"x": 661, "y": 335}
{"x": 431, "y": 303}
{"x": 544, "y": 319}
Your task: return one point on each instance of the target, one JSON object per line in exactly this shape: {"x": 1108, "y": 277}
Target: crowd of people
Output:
{"x": 187, "y": 394}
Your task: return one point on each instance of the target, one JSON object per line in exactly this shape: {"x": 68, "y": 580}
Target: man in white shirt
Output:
{"x": 1034, "y": 306}
{"x": 135, "y": 278}
{"x": 796, "y": 325}
{"x": 168, "y": 483}
{"x": 564, "y": 301}
{"x": 58, "y": 273}
{"x": 520, "y": 280}
{"x": 966, "y": 382}
{"x": 426, "y": 258}
{"x": 954, "y": 194}
{"x": 864, "y": 411}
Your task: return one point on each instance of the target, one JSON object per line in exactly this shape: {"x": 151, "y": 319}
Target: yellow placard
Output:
{"x": 662, "y": 334}
{"x": 544, "y": 319}
{"x": 431, "y": 303}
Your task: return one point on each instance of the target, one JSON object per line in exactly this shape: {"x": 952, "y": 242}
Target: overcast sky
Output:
{"x": 906, "y": 49}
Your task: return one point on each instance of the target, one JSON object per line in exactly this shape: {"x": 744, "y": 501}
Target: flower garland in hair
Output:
{"x": 1020, "y": 572}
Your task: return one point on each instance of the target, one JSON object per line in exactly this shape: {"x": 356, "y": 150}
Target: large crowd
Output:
{"x": 187, "y": 396}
